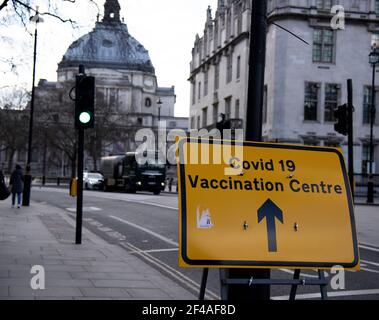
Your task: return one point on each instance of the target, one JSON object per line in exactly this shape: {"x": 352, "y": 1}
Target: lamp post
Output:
{"x": 374, "y": 60}
{"x": 28, "y": 177}
{"x": 159, "y": 103}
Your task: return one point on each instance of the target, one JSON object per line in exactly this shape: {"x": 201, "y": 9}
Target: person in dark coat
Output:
{"x": 17, "y": 186}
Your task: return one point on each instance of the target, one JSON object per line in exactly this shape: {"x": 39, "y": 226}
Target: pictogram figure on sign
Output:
{"x": 204, "y": 220}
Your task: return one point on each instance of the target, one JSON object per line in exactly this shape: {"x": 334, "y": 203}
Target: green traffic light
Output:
{"x": 84, "y": 117}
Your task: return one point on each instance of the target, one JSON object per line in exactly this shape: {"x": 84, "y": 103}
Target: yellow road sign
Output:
{"x": 264, "y": 205}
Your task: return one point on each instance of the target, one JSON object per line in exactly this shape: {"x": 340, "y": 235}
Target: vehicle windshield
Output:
{"x": 95, "y": 176}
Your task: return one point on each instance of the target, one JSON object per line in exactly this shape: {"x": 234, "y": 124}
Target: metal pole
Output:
{"x": 350, "y": 110}
{"x": 28, "y": 175}
{"x": 79, "y": 201}
{"x": 257, "y": 59}
{"x": 370, "y": 184}
{"x": 257, "y": 62}
{"x": 204, "y": 279}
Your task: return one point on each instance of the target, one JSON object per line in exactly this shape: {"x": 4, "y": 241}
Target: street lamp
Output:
{"x": 28, "y": 177}
{"x": 374, "y": 60}
{"x": 159, "y": 103}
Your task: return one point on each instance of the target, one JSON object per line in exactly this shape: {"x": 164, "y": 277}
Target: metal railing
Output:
{"x": 361, "y": 182}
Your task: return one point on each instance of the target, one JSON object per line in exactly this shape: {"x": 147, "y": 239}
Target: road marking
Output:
{"x": 173, "y": 272}
{"x": 331, "y": 294}
{"x": 301, "y": 274}
{"x": 85, "y": 209}
{"x": 370, "y": 262}
{"x": 155, "y": 250}
{"x": 152, "y": 204}
{"x": 368, "y": 248}
{"x": 370, "y": 270}
{"x": 152, "y": 233}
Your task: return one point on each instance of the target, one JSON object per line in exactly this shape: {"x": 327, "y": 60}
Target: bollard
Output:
{"x": 370, "y": 191}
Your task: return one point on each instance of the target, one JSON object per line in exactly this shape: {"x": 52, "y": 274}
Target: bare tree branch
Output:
{"x": 46, "y": 13}
{"x": 4, "y": 4}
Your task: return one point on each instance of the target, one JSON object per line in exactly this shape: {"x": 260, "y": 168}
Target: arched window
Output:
{"x": 148, "y": 102}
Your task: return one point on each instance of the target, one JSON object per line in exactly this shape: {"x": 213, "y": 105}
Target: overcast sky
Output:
{"x": 166, "y": 28}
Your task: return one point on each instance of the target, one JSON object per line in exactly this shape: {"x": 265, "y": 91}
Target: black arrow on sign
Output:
{"x": 270, "y": 211}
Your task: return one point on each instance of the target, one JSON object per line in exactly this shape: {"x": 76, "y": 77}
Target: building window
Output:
{"x": 323, "y": 45}
{"x": 205, "y": 117}
{"x": 365, "y": 158}
{"x": 217, "y": 76}
{"x": 311, "y": 142}
{"x": 238, "y": 67}
{"x": 377, "y": 7}
{"x": 228, "y": 104}
{"x": 199, "y": 91}
{"x": 216, "y": 35}
{"x": 311, "y": 101}
{"x": 324, "y": 4}
{"x": 147, "y": 102}
{"x": 237, "y": 109}
{"x": 198, "y": 122}
{"x": 332, "y": 144}
{"x": 192, "y": 122}
{"x": 215, "y": 113}
{"x": 229, "y": 68}
{"x": 367, "y": 97}
{"x": 228, "y": 24}
{"x": 205, "y": 83}
{"x": 113, "y": 97}
{"x": 375, "y": 40}
{"x": 331, "y": 101}
{"x": 193, "y": 92}
{"x": 264, "y": 110}
{"x": 239, "y": 21}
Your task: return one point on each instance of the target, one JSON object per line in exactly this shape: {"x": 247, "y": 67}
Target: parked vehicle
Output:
{"x": 93, "y": 180}
{"x": 124, "y": 173}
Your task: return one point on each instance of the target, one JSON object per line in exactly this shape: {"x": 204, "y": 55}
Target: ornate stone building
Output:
{"x": 126, "y": 85}
{"x": 303, "y": 83}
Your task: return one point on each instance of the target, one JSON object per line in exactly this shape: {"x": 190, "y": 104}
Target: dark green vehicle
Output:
{"x": 122, "y": 172}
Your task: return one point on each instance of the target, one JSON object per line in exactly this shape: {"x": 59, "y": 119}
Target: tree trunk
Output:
{"x": 73, "y": 168}
{"x": 10, "y": 160}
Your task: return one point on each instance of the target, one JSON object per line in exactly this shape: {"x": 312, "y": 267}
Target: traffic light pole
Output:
{"x": 79, "y": 200}
{"x": 350, "y": 110}
{"x": 370, "y": 184}
{"x": 257, "y": 59}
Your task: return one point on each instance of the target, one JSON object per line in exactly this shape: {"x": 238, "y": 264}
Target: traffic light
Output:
{"x": 340, "y": 115}
{"x": 84, "y": 102}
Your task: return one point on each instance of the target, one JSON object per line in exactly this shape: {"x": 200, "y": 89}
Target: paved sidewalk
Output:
{"x": 367, "y": 220}
{"x": 44, "y": 235}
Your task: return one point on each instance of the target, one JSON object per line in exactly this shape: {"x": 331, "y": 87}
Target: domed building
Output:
{"x": 126, "y": 85}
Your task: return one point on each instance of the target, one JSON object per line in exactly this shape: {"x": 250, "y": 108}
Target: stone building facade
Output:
{"x": 303, "y": 83}
{"x": 125, "y": 80}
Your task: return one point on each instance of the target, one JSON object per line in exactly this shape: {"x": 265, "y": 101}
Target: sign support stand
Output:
{"x": 203, "y": 286}
{"x": 294, "y": 283}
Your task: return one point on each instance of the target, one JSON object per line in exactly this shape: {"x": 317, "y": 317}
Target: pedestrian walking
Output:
{"x": 4, "y": 192}
{"x": 170, "y": 184}
{"x": 16, "y": 185}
